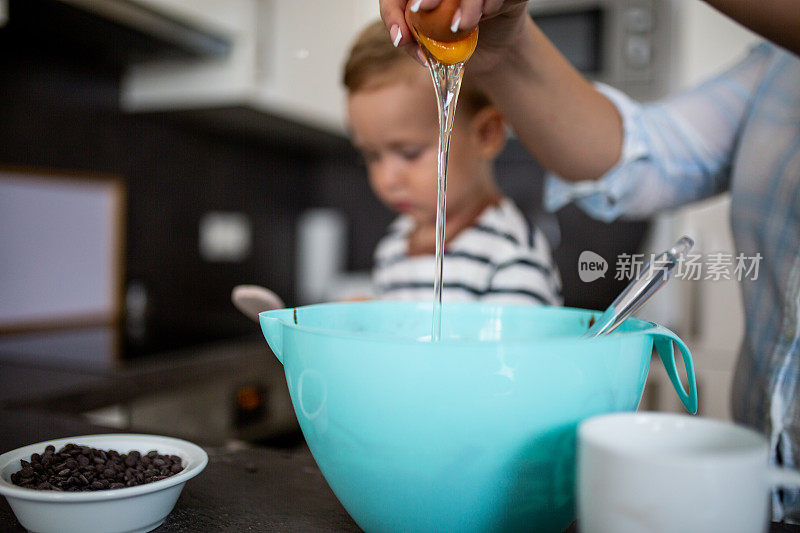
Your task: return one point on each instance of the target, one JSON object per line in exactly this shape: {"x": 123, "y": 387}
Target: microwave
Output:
{"x": 628, "y": 44}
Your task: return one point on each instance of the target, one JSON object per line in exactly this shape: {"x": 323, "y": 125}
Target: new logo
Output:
{"x": 591, "y": 266}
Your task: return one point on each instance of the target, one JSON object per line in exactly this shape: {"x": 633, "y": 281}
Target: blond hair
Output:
{"x": 374, "y": 61}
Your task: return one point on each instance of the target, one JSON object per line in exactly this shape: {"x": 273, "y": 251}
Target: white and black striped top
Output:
{"x": 500, "y": 259}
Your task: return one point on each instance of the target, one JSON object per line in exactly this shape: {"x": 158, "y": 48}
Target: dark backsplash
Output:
{"x": 60, "y": 110}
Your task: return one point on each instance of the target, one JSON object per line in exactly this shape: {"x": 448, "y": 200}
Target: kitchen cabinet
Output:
{"x": 145, "y": 29}
{"x": 285, "y": 60}
{"x": 211, "y": 15}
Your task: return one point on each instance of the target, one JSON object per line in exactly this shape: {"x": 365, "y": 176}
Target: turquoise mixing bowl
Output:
{"x": 474, "y": 432}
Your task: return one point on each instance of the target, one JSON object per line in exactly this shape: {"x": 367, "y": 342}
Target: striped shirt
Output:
{"x": 738, "y": 132}
{"x": 500, "y": 259}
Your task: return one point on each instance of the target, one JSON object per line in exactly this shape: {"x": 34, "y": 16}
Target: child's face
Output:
{"x": 396, "y": 128}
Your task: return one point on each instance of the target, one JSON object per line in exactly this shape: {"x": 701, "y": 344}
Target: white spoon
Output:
{"x": 253, "y": 299}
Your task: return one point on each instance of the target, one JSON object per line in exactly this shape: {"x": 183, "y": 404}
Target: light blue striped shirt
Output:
{"x": 738, "y": 132}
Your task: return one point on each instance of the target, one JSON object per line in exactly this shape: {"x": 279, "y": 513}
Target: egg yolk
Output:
{"x": 450, "y": 53}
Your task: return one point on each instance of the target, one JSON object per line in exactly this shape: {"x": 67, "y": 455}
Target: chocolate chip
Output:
{"x": 81, "y": 468}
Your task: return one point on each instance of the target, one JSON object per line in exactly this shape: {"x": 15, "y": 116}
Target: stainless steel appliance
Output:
{"x": 628, "y": 44}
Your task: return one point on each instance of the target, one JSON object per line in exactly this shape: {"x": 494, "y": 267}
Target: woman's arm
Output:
{"x": 675, "y": 151}
{"x": 570, "y": 127}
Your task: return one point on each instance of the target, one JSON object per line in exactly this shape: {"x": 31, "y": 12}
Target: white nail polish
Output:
{"x": 398, "y": 35}
{"x": 456, "y": 21}
{"x": 415, "y": 6}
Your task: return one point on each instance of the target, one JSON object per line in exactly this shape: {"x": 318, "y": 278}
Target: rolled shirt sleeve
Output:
{"x": 674, "y": 151}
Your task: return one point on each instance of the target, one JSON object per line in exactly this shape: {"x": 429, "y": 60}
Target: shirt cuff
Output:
{"x": 604, "y": 198}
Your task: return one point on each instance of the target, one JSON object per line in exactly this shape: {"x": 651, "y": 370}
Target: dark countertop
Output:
{"x": 256, "y": 489}
{"x": 242, "y": 488}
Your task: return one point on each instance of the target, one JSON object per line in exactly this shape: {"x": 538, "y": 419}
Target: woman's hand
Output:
{"x": 571, "y": 128}
{"x": 500, "y": 21}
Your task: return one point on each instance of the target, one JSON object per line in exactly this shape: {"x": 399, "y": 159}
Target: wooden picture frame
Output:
{"x": 62, "y": 249}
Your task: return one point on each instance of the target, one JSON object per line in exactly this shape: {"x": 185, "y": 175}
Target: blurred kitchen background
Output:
{"x": 156, "y": 153}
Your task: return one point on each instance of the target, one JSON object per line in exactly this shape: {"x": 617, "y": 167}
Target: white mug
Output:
{"x": 660, "y": 472}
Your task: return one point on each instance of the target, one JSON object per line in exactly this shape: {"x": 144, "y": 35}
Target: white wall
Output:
{"x": 708, "y": 41}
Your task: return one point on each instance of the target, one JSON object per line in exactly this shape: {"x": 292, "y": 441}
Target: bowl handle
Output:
{"x": 272, "y": 328}
{"x": 662, "y": 340}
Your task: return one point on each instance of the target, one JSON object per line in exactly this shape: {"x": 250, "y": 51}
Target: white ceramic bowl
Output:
{"x": 132, "y": 509}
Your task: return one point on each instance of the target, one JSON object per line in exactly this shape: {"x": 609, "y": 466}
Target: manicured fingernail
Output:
{"x": 456, "y": 20}
{"x": 415, "y": 6}
{"x": 421, "y": 57}
{"x": 396, "y": 35}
